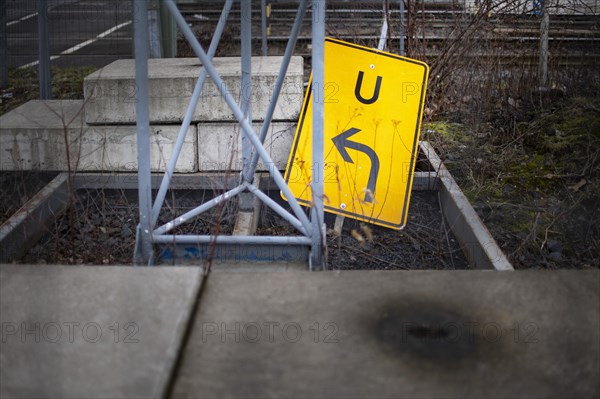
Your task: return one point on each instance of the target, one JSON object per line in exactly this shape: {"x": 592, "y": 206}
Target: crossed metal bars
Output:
{"x": 313, "y": 230}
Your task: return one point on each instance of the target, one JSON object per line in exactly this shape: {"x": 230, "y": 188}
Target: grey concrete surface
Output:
{"x": 110, "y": 92}
{"x": 220, "y": 145}
{"x": 91, "y": 332}
{"x": 426, "y": 334}
{"x": 32, "y": 137}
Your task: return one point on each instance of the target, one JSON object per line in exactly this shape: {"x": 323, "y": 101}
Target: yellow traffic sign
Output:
{"x": 373, "y": 108}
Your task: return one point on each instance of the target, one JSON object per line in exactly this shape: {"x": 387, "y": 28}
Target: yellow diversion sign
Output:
{"x": 373, "y": 104}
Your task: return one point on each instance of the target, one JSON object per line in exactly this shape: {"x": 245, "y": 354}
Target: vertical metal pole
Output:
{"x": 246, "y": 38}
{"x": 402, "y": 27}
{"x": 154, "y": 29}
{"x": 246, "y": 199}
{"x": 544, "y": 29}
{"x": 168, "y": 33}
{"x": 143, "y": 250}
{"x": 318, "y": 83}
{"x": 45, "y": 76}
{"x": 263, "y": 26}
{"x": 3, "y": 46}
{"x": 383, "y": 35}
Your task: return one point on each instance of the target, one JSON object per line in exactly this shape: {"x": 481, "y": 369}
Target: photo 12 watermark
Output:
{"x": 54, "y": 332}
{"x": 252, "y": 332}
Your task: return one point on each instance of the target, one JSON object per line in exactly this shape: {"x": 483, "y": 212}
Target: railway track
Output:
{"x": 573, "y": 39}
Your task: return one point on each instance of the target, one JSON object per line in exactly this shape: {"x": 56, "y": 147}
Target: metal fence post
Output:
{"x": 45, "y": 76}
{"x": 143, "y": 247}
{"x": 544, "y": 31}
{"x": 168, "y": 32}
{"x": 246, "y": 100}
{"x": 263, "y": 27}
{"x": 318, "y": 84}
{"x": 402, "y": 27}
{"x": 246, "y": 199}
{"x": 3, "y": 46}
{"x": 154, "y": 33}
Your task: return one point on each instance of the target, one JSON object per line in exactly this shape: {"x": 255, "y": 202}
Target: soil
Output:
{"x": 104, "y": 222}
{"x": 104, "y": 225}
{"x": 535, "y": 183}
{"x": 424, "y": 243}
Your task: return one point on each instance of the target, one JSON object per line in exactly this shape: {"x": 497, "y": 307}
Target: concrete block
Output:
{"x": 111, "y": 92}
{"x": 395, "y": 334}
{"x": 92, "y": 332}
{"x": 220, "y": 145}
{"x": 32, "y": 137}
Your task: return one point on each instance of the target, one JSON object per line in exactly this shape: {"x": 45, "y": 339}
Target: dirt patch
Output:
{"x": 535, "y": 183}
{"x": 101, "y": 228}
{"x": 425, "y": 242}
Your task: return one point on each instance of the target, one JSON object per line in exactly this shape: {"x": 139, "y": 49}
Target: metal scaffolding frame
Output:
{"x": 313, "y": 229}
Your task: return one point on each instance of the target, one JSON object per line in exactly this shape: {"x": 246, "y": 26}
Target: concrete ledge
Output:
{"x": 111, "y": 93}
{"x": 22, "y": 230}
{"x": 92, "y": 332}
{"x": 478, "y": 244}
{"x": 220, "y": 145}
{"x": 32, "y": 137}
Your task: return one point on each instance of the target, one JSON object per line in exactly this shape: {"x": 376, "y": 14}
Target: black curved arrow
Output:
{"x": 341, "y": 142}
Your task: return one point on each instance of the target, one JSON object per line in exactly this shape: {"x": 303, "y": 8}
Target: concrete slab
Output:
{"x": 220, "y": 145}
{"x": 32, "y": 137}
{"x": 91, "y": 332}
{"x": 110, "y": 92}
{"x": 393, "y": 334}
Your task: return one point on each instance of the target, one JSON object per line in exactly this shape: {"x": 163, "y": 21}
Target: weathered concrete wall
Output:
{"x": 111, "y": 92}
{"x": 220, "y": 145}
{"x": 32, "y": 137}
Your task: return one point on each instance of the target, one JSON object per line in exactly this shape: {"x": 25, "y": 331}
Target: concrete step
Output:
{"x": 110, "y": 92}
{"x": 32, "y": 137}
{"x": 220, "y": 145}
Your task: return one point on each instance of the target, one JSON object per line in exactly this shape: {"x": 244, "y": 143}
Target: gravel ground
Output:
{"x": 425, "y": 242}
{"x": 104, "y": 223}
{"x": 103, "y": 232}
